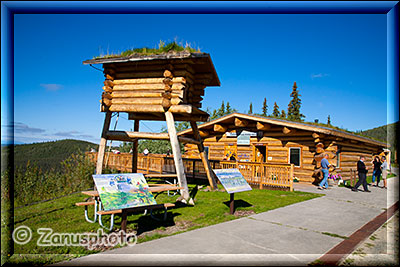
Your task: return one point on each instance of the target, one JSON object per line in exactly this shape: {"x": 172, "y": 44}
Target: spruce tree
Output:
{"x": 251, "y": 108}
{"x": 283, "y": 114}
{"x": 275, "y": 112}
{"x": 221, "y": 110}
{"x": 228, "y": 109}
{"x": 265, "y": 107}
{"x": 329, "y": 120}
{"x": 295, "y": 105}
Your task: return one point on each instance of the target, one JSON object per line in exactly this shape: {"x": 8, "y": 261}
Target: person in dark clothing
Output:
{"x": 362, "y": 175}
{"x": 377, "y": 170}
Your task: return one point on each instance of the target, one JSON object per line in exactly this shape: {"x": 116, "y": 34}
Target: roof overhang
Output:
{"x": 229, "y": 120}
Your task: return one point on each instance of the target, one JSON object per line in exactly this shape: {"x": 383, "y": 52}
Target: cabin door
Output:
{"x": 260, "y": 153}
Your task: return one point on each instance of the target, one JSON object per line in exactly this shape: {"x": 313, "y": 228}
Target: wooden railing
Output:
{"x": 256, "y": 173}
{"x": 154, "y": 163}
{"x": 264, "y": 174}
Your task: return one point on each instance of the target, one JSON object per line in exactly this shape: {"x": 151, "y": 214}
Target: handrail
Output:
{"x": 256, "y": 173}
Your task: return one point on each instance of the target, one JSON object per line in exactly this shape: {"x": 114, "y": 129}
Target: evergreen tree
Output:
{"x": 295, "y": 105}
{"x": 283, "y": 114}
{"x": 329, "y": 120}
{"x": 265, "y": 107}
{"x": 221, "y": 110}
{"x": 228, "y": 109}
{"x": 251, "y": 108}
{"x": 275, "y": 112}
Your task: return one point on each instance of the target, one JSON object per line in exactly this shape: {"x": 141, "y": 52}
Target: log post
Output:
{"x": 135, "y": 151}
{"x": 176, "y": 150}
{"x": 103, "y": 143}
{"x": 210, "y": 174}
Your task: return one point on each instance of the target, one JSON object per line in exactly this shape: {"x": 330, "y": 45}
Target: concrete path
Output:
{"x": 293, "y": 235}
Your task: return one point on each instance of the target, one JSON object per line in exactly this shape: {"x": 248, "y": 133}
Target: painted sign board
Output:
{"x": 232, "y": 180}
{"x": 123, "y": 190}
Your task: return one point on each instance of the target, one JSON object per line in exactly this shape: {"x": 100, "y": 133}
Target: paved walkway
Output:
{"x": 297, "y": 234}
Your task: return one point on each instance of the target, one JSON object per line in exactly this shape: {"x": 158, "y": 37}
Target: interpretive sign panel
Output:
{"x": 123, "y": 190}
{"x": 232, "y": 180}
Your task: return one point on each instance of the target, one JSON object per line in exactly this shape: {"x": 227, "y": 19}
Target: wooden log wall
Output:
{"x": 278, "y": 144}
{"x": 152, "y": 85}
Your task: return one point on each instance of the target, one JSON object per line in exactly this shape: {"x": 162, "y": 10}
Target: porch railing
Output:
{"x": 264, "y": 174}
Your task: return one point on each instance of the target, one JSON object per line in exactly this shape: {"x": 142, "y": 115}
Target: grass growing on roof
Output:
{"x": 62, "y": 216}
{"x": 162, "y": 49}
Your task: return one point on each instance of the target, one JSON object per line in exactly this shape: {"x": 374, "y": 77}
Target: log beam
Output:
{"x": 135, "y": 150}
{"x": 220, "y": 128}
{"x": 132, "y": 136}
{"x": 103, "y": 143}
{"x": 176, "y": 150}
{"x": 204, "y": 134}
{"x": 240, "y": 122}
{"x": 263, "y": 127}
{"x": 287, "y": 130}
{"x": 210, "y": 174}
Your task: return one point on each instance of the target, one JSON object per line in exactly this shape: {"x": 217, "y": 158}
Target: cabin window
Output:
{"x": 338, "y": 159}
{"x": 294, "y": 156}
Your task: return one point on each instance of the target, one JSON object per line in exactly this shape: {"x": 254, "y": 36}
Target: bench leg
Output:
{"x": 95, "y": 213}
{"x": 124, "y": 221}
{"x": 164, "y": 217}
{"x": 111, "y": 221}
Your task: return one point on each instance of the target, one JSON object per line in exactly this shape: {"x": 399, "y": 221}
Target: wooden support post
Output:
{"x": 124, "y": 220}
{"x": 135, "y": 151}
{"x": 194, "y": 167}
{"x": 210, "y": 174}
{"x": 291, "y": 177}
{"x": 232, "y": 203}
{"x": 103, "y": 143}
{"x": 176, "y": 150}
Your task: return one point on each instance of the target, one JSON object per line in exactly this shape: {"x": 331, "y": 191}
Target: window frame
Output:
{"x": 300, "y": 156}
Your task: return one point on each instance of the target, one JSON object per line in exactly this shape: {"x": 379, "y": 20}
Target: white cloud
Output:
{"x": 319, "y": 75}
{"x": 51, "y": 86}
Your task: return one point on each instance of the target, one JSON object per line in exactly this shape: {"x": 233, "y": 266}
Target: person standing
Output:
{"x": 325, "y": 170}
{"x": 377, "y": 170}
{"x": 362, "y": 175}
{"x": 384, "y": 168}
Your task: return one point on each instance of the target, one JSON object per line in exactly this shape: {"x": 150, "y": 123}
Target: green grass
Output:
{"x": 369, "y": 180}
{"x": 162, "y": 48}
{"x": 210, "y": 208}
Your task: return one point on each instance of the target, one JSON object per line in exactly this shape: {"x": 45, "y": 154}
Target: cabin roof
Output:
{"x": 202, "y": 61}
{"x": 229, "y": 120}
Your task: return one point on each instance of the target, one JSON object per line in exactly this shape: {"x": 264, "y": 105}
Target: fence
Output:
{"x": 154, "y": 163}
{"x": 256, "y": 173}
{"x": 264, "y": 174}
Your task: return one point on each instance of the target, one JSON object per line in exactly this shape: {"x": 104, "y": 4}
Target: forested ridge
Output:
{"x": 49, "y": 155}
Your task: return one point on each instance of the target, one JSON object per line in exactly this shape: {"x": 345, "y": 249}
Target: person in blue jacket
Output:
{"x": 325, "y": 170}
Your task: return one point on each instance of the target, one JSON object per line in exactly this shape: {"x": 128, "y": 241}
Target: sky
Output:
{"x": 337, "y": 61}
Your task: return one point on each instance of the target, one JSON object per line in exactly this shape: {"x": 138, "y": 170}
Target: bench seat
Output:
{"x": 88, "y": 203}
{"x": 151, "y": 207}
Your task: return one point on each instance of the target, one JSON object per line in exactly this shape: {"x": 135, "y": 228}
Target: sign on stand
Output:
{"x": 233, "y": 182}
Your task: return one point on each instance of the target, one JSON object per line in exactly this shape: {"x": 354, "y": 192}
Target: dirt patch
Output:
{"x": 179, "y": 226}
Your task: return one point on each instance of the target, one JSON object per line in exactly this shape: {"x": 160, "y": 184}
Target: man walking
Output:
{"x": 362, "y": 175}
{"x": 325, "y": 170}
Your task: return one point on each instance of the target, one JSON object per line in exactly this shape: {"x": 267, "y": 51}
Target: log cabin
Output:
{"x": 253, "y": 138}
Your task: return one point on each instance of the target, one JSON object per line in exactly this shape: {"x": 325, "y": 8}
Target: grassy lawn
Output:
{"x": 369, "y": 180}
{"x": 62, "y": 216}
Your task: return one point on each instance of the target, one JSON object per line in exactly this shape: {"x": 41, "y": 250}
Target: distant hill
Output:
{"x": 48, "y": 155}
{"x": 385, "y": 133}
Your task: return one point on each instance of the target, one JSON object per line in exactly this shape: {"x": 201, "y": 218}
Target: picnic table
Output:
{"x": 153, "y": 188}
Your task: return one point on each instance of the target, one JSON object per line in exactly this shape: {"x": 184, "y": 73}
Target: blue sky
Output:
{"x": 338, "y": 62}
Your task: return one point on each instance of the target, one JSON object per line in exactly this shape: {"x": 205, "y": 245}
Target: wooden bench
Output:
{"x": 88, "y": 203}
{"x": 124, "y": 213}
